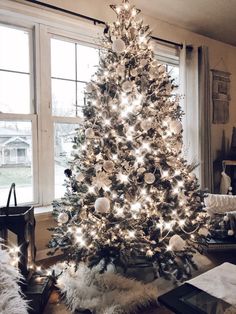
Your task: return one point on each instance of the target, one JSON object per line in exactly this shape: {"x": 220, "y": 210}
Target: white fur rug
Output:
{"x": 11, "y": 300}
{"x": 107, "y": 293}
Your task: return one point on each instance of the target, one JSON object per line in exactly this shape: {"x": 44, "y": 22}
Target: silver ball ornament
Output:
{"x": 89, "y": 133}
{"x": 175, "y": 126}
{"x": 127, "y": 86}
{"x": 108, "y": 166}
{"x": 134, "y": 72}
{"x": 120, "y": 70}
{"x": 146, "y": 125}
{"x": 102, "y": 205}
{"x": 118, "y": 45}
{"x": 149, "y": 178}
{"x": 143, "y": 62}
{"x": 176, "y": 243}
{"x": 63, "y": 218}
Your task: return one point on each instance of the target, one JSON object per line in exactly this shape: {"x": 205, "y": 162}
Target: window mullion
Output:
{"x": 46, "y": 173}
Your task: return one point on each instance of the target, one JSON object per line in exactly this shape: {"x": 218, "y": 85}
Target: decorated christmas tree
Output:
{"x": 129, "y": 191}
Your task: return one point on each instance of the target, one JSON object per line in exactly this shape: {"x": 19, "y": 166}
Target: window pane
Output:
{"x": 14, "y": 52}
{"x": 87, "y": 62}
{"x": 16, "y": 160}
{"x": 14, "y": 92}
{"x": 63, "y": 98}
{"x": 80, "y": 98}
{"x": 62, "y": 59}
{"x": 63, "y": 135}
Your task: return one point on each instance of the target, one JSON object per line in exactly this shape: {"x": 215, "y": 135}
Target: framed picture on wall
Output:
{"x": 220, "y": 96}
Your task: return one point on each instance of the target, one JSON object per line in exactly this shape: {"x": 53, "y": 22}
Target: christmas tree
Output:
{"x": 129, "y": 191}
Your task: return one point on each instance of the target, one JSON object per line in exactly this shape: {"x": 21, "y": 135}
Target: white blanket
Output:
{"x": 219, "y": 282}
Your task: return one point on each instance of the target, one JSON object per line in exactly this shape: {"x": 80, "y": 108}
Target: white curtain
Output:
{"x": 190, "y": 105}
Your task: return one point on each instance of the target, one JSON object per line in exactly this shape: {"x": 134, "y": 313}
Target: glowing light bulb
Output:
{"x": 143, "y": 191}
{"x": 175, "y": 190}
{"x": 131, "y": 233}
{"x": 119, "y": 211}
{"x": 169, "y": 248}
{"x": 168, "y": 225}
{"x": 135, "y": 206}
{"x": 124, "y": 178}
{"x": 107, "y": 122}
{"x": 181, "y": 222}
{"x": 165, "y": 173}
{"x": 146, "y": 146}
{"x": 180, "y": 184}
{"x": 140, "y": 159}
{"x": 114, "y": 157}
{"x": 91, "y": 189}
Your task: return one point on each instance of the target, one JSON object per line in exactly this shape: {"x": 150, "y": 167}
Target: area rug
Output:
{"x": 107, "y": 293}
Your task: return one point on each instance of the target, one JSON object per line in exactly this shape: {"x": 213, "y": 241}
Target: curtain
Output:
{"x": 205, "y": 118}
{"x": 189, "y": 102}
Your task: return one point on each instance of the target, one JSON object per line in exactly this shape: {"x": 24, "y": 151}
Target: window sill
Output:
{"x": 43, "y": 209}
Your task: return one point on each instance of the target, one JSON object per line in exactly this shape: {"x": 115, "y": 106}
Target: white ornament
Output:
{"x": 102, "y": 205}
{"x": 127, "y": 86}
{"x": 118, "y": 45}
{"x": 89, "y": 133}
{"x": 108, "y": 166}
{"x": 146, "y": 124}
{"x": 141, "y": 170}
{"x": 80, "y": 177}
{"x": 176, "y": 243}
{"x": 134, "y": 72}
{"x": 63, "y": 218}
{"x": 226, "y": 218}
{"x": 175, "y": 126}
{"x": 143, "y": 62}
{"x": 149, "y": 178}
{"x": 89, "y": 88}
{"x": 203, "y": 231}
{"x": 231, "y": 232}
{"x": 120, "y": 70}
{"x": 162, "y": 69}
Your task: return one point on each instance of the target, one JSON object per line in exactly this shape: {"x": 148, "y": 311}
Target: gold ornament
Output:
{"x": 127, "y": 86}
{"x": 149, "y": 178}
{"x": 108, "y": 166}
{"x": 89, "y": 133}
{"x": 176, "y": 243}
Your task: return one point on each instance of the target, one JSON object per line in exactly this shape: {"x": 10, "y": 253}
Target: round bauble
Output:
{"x": 80, "y": 177}
{"x": 63, "y": 218}
{"x": 89, "y": 133}
{"x": 230, "y": 232}
{"x": 175, "y": 126}
{"x": 127, "y": 86}
{"x": 203, "y": 231}
{"x": 120, "y": 70}
{"x": 102, "y": 205}
{"x": 89, "y": 88}
{"x": 154, "y": 63}
{"x": 141, "y": 170}
{"x": 226, "y": 218}
{"x": 176, "y": 243}
{"x": 134, "y": 72}
{"x": 143, "y": 62}
{"x": 149, "y": 178}
{"x": 161, "y": 69}
{"x": 118, "y": 45}
{"x": 108, "y": 166}
{"x": 146, "y": 125}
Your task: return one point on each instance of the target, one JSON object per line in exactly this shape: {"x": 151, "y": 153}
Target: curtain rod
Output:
{"x": 96, "y": 21}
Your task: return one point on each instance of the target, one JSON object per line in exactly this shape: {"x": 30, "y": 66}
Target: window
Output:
{"x": 16, "y": 119}
{"x": 43, "y": 72}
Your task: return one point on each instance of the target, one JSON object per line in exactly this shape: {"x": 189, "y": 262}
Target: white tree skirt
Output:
{"x": 107, "y": 293}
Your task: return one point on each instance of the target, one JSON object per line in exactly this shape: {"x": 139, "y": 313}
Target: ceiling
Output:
{"x": 212, "y": 18}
